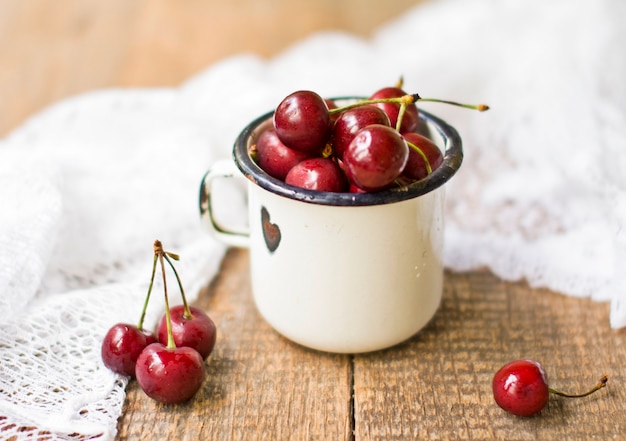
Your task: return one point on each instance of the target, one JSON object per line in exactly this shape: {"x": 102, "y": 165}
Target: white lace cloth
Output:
{"x": 88, "y": 184}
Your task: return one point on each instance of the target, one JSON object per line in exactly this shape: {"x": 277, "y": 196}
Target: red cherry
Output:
{"x": 302, "y": 121}
{"x": 198, "y": 331}
{"x": 169, "y": 375}
{"x": 375, "y": 157}
{"x": 321, "y": 174}
{"x": 274, "y": 157}
{"x": 416, "y": 167}
{"x": 305, "y": 122}
{"x": 410, "y": 120}
{"x": 521, "y": 388}
{"x": 349, "y": 122}
{"x": 122, "y": 345}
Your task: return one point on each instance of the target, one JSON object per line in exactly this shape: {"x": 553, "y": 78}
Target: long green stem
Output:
{"x": 401, "y": 113}
{"x": 601, "y": 383}
{"x": 479, "y": 107}
{"x": 145, "y": 303}
{"x": 187, "y": 314}
{"x": 168, "y": 316}
{"x": 406, "y": 100}
{"x": 429, "y": 169}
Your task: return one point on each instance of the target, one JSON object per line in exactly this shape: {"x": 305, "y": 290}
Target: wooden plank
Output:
{"x": 435, "y": 386}
{"x": 438, "y": 385}
{"x": 258, "y": 384}
{"x": 172, "y": 40}
{"x": 52, "y": 50}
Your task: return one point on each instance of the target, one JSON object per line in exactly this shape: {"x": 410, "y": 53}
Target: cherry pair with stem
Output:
{"x": 169, "y": 367}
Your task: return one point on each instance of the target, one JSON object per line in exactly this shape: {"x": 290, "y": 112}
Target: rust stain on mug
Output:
{"x": 271, "y": 231}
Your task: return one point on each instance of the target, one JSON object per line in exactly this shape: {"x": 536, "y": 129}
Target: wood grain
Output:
{"x": 436, "y": 386}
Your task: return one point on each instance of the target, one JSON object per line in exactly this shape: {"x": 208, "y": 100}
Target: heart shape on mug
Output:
{"x": 271, "y": 231}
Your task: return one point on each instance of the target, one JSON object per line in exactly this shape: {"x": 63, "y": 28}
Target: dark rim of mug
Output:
{"x": 453, "y": 157}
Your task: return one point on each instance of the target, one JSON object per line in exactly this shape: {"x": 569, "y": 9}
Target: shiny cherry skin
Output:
{"x": 415, "y": 168}
{"x": 198, "y": 332}
{"x": 410, "y": 119}
{"x": 302, "y": 121}
{"x": 274, "y": 157}
{"x": 521, "y": 387}
{"x": 320, "y": 174}
{"x": 169, "y": 375}
{"x": 375, "y": 157}
{"x": 350, "y": 121}
{"x": 122, "y": 345}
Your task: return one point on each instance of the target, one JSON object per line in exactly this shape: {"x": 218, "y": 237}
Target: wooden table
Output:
{"x": 259, "y": 385}
{"x": 435, "y": 386}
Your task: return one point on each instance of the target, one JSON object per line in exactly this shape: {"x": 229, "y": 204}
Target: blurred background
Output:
{"x": 54, "y": 49}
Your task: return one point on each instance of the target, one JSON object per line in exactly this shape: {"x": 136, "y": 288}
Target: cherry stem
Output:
{"x": 401, "y": 113}
{"x": 406, "y": 100}
{"x": 479, "y": 107}
{"x": 145, "y": 303}
{"x": 187, "y": 314}
{"x": 601, "y": 383}
{"x": 429, "y": 169}
{"x": 158, "y": 250}
{"x": 167, "y": 255}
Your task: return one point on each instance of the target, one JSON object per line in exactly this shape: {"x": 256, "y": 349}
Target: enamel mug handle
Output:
{"x": 223, "y": 169}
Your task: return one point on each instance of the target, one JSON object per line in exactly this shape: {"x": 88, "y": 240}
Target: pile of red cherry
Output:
{"x": 366, "y": 146}
{"x": 169, "y": 366}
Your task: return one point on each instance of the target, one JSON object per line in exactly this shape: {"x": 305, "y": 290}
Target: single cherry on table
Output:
{"x": 123, "y": 342}
{"x": 122, "y": 345}
{"x": 170, "y": 374}
{"x": 191, "y": 327}
{"x": 520, "y": 387}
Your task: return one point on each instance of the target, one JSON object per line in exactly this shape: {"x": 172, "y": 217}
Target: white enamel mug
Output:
{"x": 341, "y": 272}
